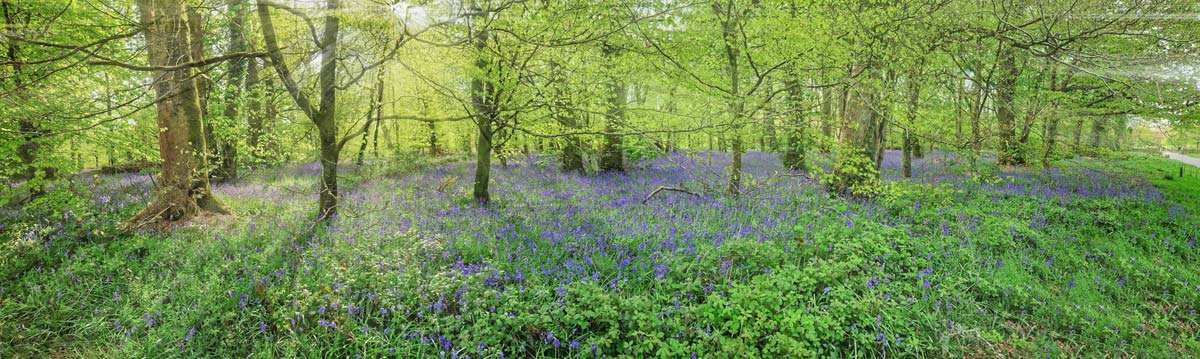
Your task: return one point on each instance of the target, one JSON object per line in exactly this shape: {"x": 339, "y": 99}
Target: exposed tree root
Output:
{"x": 173, "y": 209}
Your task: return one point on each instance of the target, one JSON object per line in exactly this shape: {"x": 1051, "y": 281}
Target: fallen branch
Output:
{"x": 798, "y": 174}
{"x": 672, "y": 189}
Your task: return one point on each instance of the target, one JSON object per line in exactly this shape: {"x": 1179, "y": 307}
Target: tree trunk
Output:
{"x": 183, "y": 184}
{"x": 729, "y": 31}
{"x": 612, "y": 158}
{"x": 324, "y": 116}
{"x": 483, "y": 164}
{"x": 1009, "y": 152}
{"x": 374, "y": 115}
{"x": 328, "y": 202}
{"x": 827, "y": 118}
{"x": 572, "y": 150}
{"x": 977, "y": 106}
{"x": 907, "y": 154}
{"x": 907, "y": 147}
{"x": 795, "y": 140}
{"x": 196, "y": 49}
{"x": 227, "y": 167}
{"x": 1098, "y": 130}
{"x": 484, "y": 117}
{"x": 326, "y": 120}
{"x": 1052, "y": 118}
{"x": 855, "y": 168}
{"x": 1077, "y": 137}
{"x": 255, "y": 115}
{"x": 433, "y": 138}
{"x": 30, "y": 133}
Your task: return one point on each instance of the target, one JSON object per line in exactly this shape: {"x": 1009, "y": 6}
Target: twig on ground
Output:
{"x": 671, "y": 189}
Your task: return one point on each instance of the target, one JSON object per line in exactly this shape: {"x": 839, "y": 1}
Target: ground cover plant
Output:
{"x": 599, "y": 178}
{"x": 1060, "y": 263}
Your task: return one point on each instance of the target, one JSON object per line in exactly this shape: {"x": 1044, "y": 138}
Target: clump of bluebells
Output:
{"x": 1072, "y": 262}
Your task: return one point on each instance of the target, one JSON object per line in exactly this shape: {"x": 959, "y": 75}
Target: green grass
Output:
{"x": 1164, "y": 174}
{"x": 1009, "y": 273}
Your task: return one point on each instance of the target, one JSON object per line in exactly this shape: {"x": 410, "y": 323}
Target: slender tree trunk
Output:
{"x": 227, "y": 167}
{"x": 827, "y": 116}
{"x": 374, "y": 115}
{"x": 977, "y": 107}
{"x": 1052, "y": 118}
{"x": 907, "y": 147}
{"x": 324, "y": 116}
{"x": 879, "y": 140}
{"x": 484, "y": 117}
{"x": 327, "y": 118}
{"x": 483, "y": 164}
{"x": 729, "y": 31}
{"x": 196, "y": 49}
{"x": 434, "y": 149}
{"x": 255, "y": 115}
{"x": 375, "y": 137}
{"x": 907, "y": 154}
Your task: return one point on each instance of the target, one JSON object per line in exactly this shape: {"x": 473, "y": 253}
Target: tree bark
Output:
{"x": 327, "y": 118}
{"x": 227, "y": 168}
{"x": 374, "y": 115}
{"x": 1052, "y": 118}
{"x": 572, "y": 150}
{"x": 324, "y": 115}
{"x": 1098, "y": 130}
{"x": 907, "y": 147}
{"x": 31, "y": 135}
{"x": 1077, "y": 137}
{"x": 254, "y": 109}
{"x": 183, "y": 184}
{"x": 434, "y": 148}
{"x": 196, "y": 49}
{"x": 980, "y": 102}
{"x": 729, "y": 32}
{"x": 795, "y": 136}
{"x": 612, "y": 157}
{"x": 907, "y": 154}
{"x": 484, "y": 116}
{"x": 855, "y": 166}
{"x": 1009, "y": 152}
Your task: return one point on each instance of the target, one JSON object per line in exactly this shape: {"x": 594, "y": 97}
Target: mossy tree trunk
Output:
{"x": 612, "y": 156}
{"x": 184, "y": 189}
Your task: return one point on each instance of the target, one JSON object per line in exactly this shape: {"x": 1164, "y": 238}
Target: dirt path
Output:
{"x": 1182, "y": 158}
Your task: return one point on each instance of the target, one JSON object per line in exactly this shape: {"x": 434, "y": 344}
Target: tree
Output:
{"x": 324, "y": 114}
{"x": 183, "y": 183}
{"x": 612, "y": 158}
{"x": 226, "y": 166}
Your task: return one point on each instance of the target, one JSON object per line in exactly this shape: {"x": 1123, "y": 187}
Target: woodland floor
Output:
{"x": 1095, "y": 259}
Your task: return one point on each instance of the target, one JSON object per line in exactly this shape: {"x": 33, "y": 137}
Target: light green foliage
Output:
{"x": 1092, "y": 79}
